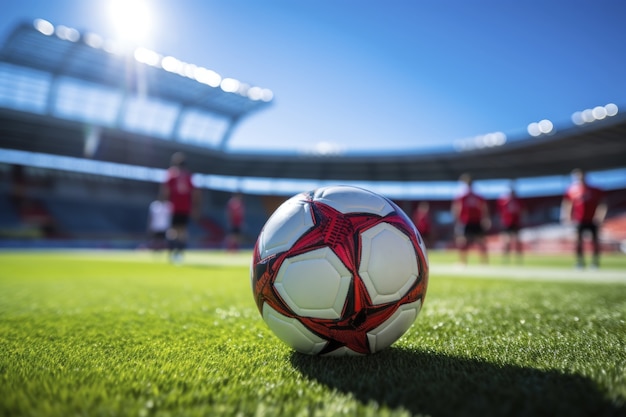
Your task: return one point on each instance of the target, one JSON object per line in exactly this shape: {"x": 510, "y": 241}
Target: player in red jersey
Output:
{"x": 235, "y": 213}
{"x": 471, "y": 216}
{"x": 423, "y": 222}
{"x": 583, "y": 206}
{"x": 184, "y": 197}
{"x": 511, "y": 210}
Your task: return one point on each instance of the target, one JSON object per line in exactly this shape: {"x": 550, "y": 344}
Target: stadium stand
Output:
{"x": 9, "y": 218}
{"x": 99, "y": 211}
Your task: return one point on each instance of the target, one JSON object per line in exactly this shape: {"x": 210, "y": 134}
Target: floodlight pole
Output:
{"x": 227, "y": 134}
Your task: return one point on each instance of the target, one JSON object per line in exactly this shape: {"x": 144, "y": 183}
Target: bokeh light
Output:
{"x": 44, "y": 26}
{"x": 597, "y": 113}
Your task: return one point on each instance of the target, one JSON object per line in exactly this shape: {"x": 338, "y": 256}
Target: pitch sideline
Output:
{"x": 530, "y": 273}
{"x": 490, "y": 271}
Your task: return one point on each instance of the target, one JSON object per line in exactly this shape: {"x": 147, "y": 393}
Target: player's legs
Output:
{"x": 475, "y": 233}
{"x": 157, "y": 241}
{"x": 506, "y": 245}
{"x": 519, "y": 249}
{"x": 177, "y": 236}
{"x": 482, "y": 248}
{"x": 182, "y": 237}
{"x": 462, "y": 246}
{"x": 516, "y": 243}
{"x": 172, "y": 241}
{"x": 595, "y": 241}
{"x": 461, "y": 242}
{"x": 233, "y": 240}
{"x": 580, "y": 258}
{"x": 472, "y": 233}
{"x": 178, "y": 244}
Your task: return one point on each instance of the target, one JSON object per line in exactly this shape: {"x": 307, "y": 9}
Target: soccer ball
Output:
{"x": 339, "y": 271}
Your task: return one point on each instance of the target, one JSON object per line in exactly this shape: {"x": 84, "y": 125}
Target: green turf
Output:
{"x": 126, "y": 334}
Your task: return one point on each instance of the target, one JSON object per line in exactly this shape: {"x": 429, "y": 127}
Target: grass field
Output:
{"x": 127, "y": 334}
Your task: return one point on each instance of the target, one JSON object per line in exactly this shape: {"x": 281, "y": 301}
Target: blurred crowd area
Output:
{"x": 52, "y": 208}
{"x": 46, "y": 208}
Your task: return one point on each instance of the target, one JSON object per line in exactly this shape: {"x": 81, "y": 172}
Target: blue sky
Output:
{"x": 384, "y": 75}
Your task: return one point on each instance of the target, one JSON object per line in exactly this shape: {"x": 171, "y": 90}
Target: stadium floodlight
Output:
{"x": 611, "y": 109}
{"x": 113, "y": 47}
{"x": 544, "y": 127}
{"x": 207, "y": 76}
{"x": 488, "y": 140}
{"x": 323, "y": 148}
{"x": 577, "y": 118}
{"x": 494, "y": 139}
{"x": 588, "y": 116}
{"x": 533, "y": 129}
{"x": 67, "y": 33}
{"x": 171, "y": 64}
{"x": 597, "y": 113}
{"x": 230, "y": 85}
{"x": 93, "y": 40}
{"x": 258, "y": 93}
{"x": 121, "y": 47}
{"x": 44, "y": 26}
{"x": 255, "y": 93}
{"x": 148, "y": 57}
{"x": 267, "y": 95}
{"x": 189, "y": 70}
{"x": 243, "y": 89}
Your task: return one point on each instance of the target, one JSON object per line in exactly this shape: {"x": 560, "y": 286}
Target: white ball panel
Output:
{"x": 286, "y": 225}
{"x": 292, "y": 332}
{"x": 391, "y": 330}
{"x": 347, "y": 199}
{"x": 314, "y": 284}
{"x": 388, "y": 263}
{"x": 420, "y": 241}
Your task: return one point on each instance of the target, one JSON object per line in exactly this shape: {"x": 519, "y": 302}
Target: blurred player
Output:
{"x": 159, "y": 221}
{"x": 422, "y": 220}
{"x": 235, "y": 213}
{"x": 511, "y": 210}
{"x": 179, "y": 190}
{"x": 583, "y": 206}
{"x": 471, "y": 215}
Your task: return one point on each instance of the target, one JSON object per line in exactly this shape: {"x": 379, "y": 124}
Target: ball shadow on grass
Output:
{"x": 442, "y": 385}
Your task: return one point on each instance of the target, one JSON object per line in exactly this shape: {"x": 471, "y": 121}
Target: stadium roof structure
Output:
{"x": 138, "y": 74}
{"x": 34, "y": 117}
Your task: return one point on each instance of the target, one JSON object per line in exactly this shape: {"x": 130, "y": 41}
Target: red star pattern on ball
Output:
{"x": 341, "y": 233}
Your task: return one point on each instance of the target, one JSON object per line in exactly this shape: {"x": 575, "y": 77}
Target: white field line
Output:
{"x": 243, "y": 258}
{"x": 530, "y": 273}
{"x": 521, "y": 272}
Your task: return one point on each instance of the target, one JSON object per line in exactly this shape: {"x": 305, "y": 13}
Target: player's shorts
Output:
{"x": 160, "y": 235}
{"x": 471, "y": 230}
{"x": 235, "y": 230}
{"x": 590, "y": 226}
{"x": 180, "y": 219}
{"x": 512, "y": 228}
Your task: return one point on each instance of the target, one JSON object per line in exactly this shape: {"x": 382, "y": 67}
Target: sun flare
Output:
{"x": 132, "y": 20}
